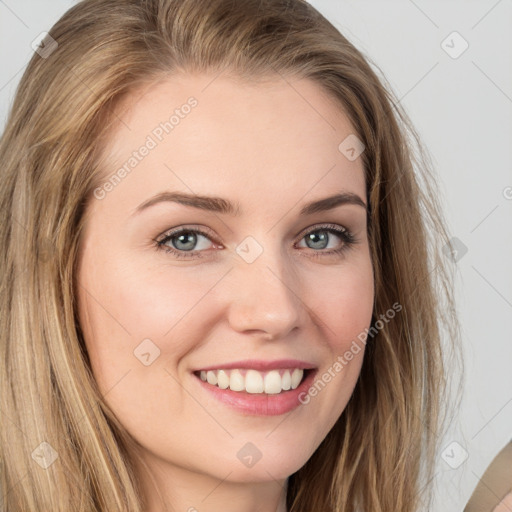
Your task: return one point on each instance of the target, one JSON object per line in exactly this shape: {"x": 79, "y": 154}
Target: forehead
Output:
{"x": 221, "y": 136}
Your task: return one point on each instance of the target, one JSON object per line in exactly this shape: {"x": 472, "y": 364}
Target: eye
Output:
{"x": 320, "y": 236}
{"x": 183, "y": 242}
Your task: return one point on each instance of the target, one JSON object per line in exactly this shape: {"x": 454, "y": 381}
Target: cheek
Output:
{"x": 127, "y": 303}
{"x": 131, "y": 315}
{"x": 157, "y": 301}
{"x": 178, "y": 308}
{"x": 343, "y": 299}
{"x": 343, "y": 302}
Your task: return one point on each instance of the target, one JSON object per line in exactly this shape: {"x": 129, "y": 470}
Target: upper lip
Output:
{"x": 261, "y": 365}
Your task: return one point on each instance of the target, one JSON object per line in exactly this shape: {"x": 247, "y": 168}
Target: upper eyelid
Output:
{"x": 207, "y": 232}
{"x": 175, "y": 231}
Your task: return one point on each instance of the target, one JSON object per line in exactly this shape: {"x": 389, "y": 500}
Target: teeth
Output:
{"x": 296, "y": 377}
{"x": 253, "y": 381}
{"x": 272, "y": 383}
{"x": 211, "y": 377}
{"x": 236, "y": 381}
{"x": 286, "y": 381}
{"x": 222, "y": 379}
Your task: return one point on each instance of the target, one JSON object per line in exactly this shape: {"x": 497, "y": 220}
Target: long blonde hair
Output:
{"x": 381, "y": 451}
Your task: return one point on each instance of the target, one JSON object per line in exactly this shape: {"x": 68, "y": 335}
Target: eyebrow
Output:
{"x": 220, "y": 205}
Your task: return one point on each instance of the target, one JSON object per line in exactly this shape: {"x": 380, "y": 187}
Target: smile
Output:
{"x": 253, "y": 381}
{"x": 257, "y": 393}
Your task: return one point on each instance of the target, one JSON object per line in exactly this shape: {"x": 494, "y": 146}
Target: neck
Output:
{"x": 170, "y": 488}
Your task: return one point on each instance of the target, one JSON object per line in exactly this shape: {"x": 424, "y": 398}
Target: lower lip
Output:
{"x": 261, "y": 404}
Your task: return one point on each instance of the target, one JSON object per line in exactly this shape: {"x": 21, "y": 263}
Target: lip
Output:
{"x": 257, "y": 404}
{"x": 260, "y": 365}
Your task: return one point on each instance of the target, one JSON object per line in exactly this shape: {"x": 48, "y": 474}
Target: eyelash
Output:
{"x": 344, "y": 234}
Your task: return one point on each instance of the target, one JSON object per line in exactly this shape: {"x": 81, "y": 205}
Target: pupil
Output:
{"x": 184, "y": 237}
{"x": 315, "y": 238}
{"x": 189, "y": 239}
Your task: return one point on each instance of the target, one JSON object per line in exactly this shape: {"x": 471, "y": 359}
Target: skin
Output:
{"x": 505, "y": 504}
{"x": 272, "y": 147}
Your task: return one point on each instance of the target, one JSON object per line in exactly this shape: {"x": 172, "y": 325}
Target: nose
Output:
{"x": 265, "y": 297}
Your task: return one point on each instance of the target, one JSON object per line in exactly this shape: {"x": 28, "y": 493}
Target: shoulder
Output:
{"x": 494, "y": 490}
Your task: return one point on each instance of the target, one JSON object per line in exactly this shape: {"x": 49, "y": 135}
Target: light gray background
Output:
{"x": 462, "y": 108}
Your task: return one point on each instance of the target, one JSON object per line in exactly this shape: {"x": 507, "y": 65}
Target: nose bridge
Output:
{"x": 266, "y": 293}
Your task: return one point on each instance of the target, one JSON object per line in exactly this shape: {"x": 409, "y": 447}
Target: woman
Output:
{"x": 253, "y": 367}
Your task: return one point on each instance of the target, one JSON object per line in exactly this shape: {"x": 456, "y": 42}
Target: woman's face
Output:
{"x": 248, "y": 282}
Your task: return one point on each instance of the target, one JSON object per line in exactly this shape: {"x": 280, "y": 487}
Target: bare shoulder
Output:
{"x": 494, "y": 490}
